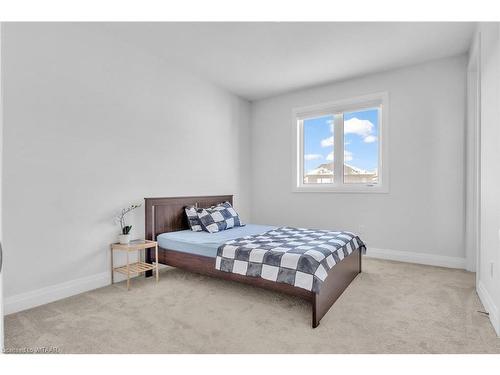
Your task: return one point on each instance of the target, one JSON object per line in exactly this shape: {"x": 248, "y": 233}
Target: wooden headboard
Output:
{"x": 167, "y": 214}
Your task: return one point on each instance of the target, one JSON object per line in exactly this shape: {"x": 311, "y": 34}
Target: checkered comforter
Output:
{"x": 296, "y": 256}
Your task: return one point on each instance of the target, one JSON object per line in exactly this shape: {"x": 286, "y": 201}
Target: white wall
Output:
{"x": 92, "y": 125}
{"x": 422, "y": 217}
{"x": 1, "y": 164}
{"x": 472, "y": 149}
{"x": 489, "y": 286}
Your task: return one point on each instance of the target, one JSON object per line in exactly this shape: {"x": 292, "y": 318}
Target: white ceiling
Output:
{"x": 258, "y": 60}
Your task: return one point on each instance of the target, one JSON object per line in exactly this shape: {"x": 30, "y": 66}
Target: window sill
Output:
{"x": 342, "y": 189}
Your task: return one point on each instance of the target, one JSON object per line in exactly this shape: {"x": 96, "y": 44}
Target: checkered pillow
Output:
{"x": 218, "y": 218}
{"x": 193, "y": 220}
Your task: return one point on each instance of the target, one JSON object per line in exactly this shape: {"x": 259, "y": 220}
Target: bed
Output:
{"x": 178, "y": 246}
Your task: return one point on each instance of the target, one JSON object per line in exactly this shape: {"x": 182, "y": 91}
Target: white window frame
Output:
{"x": 380, "y": 99}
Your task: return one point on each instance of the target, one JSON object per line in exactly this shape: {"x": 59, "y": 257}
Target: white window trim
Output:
{"x": 344, "y": 105}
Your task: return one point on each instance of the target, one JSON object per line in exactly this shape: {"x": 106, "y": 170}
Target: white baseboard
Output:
{"x": 53, "y": 293}
{"x": 489, "y": 306}
{"x": 419, "y": 258}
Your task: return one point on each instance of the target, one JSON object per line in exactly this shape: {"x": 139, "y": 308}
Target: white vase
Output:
{"x": 124, "y": 238}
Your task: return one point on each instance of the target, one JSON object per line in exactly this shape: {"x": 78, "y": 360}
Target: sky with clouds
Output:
{"x": 361, "y": 132}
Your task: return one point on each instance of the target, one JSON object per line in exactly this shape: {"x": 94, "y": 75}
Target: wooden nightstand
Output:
{"x": 136, "y": 267}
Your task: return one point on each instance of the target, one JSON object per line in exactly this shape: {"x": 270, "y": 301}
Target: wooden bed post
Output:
{"x": 315, "y": 308}
{"x": 360, "y": 256}
{"x": 148, "y": 259}
{"x": 148, "y": 230}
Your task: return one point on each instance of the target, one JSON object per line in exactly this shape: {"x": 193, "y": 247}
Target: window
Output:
{"x": 340, "y": 147}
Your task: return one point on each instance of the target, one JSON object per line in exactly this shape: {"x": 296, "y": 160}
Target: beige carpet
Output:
{"x": 390, "y": 308}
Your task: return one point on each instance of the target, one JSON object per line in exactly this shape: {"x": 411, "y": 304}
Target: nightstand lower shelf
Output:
{"x": 136, "y": 267}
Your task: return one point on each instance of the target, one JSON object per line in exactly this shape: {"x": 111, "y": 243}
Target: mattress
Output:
{"x": 204, "y": 243}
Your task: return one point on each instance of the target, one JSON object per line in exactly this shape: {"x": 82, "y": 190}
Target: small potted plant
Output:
{"x": 124, "y": 237}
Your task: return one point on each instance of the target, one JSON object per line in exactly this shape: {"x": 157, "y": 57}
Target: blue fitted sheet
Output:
{"x": 204, "y": 243}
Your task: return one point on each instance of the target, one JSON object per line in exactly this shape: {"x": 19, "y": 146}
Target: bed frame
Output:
{"x": 167, "y": 215}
